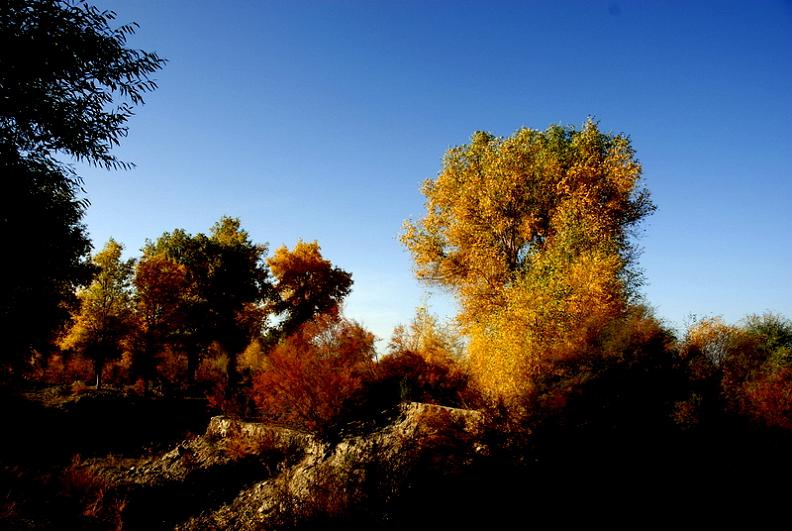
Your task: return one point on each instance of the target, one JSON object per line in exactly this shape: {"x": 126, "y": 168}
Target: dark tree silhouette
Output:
{"x": 68, "y": 85}
{"x": 61, "y": 94}
{"x": 226, "y": 286}
{"x": 41, "y": 229}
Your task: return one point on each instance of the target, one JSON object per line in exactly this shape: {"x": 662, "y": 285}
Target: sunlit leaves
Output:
{"x": 531, "y": 232}
{"x": 308, "y": 377}
{"x": 306, "y": 284}
{"x": 105, "y": 317}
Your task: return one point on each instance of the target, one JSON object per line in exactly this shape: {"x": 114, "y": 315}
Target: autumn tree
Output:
{"x": 531, "y": 233}
{"x": 306, "y": 284}
{"x": 190, "y": 334}
{"x": 104, "y": 320}
{"x": 428, "y": 337}
{"x": 68, "y": 85}
{"x": 160, "y": 287}
{"x": 223, "y": 293}
{"x": 307, "y": 379}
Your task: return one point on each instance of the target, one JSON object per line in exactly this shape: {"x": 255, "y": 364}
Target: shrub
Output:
{"x": 425, "y": 363}
{"x": 309, "y": 379}
{"x": 742, "y": 370}
{"x": 91, "y": 496}
{"x": 769, "y": 398}
{"x": 407, "y": 375}
{"x": 212, "y": 376}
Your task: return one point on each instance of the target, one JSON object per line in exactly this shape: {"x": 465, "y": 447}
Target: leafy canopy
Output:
{"x": 62, "y": 94}
{"x": 306, "y": 284}
{"x": 68, "y": 85}
{"x": 531, "y": 233}
{"x": 105, "y": 318}
{"x": 223, "y": 285}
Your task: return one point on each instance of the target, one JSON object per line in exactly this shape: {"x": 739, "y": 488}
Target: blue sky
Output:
{"x": 319, "y": 120}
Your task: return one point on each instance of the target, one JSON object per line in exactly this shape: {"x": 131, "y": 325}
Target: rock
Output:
{"x": 247, "y": 475}
{"x": 364, "y": 470}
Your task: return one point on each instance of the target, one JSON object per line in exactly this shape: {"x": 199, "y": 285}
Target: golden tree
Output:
{"x": 306, "y": 284}
{"x": 105, "y": 317}
{"x": 531, "y": 233}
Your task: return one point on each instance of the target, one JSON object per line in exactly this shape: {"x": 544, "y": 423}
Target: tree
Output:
{"x": 68, "y": 95}
{"x": 423, "y": 363}
{"x": 40, "y": 226}
{"x": 226, "y": 287}
{"x": 60, "y": 95}
{"x": 427, "y": 337}
{"x": 309, "y": 378}
{"x": 531, "y": 233}
{"x": 306, "y": 284}
{"x": 238, "y": 288}
{"x": 160, "y": 285}
{"x": 105, "y": 318}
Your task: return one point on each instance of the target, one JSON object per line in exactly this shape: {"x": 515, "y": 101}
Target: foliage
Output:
{"x": 408, "y": 376}
{"x": 224, "y": 284}
{"x": 743, "y": 370}
{"x": 624, "y": 379}
{"x": 104, "y": 321}
{"x": 68, "y": 84}
{"x": 428, "y": 337}
{"x": 531, "y": 233}
{"x": 425, "y": 363}
{"x": 308, "y": 379}
{"x": 160, "y": 284}
{"x": 212, "y": 378}
{"x": 59, "y": 95}
{"x": 40, "y": 224}
{"x": 770, "y": 397}
{"x": 306, "y": 285}
{"x": 774, "y": 333}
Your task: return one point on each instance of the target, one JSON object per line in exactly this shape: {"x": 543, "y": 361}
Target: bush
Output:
{"x": 309, "y": 380}
{"x": 89, "y": 494}
{"x": 769, "y": 398}
{"x": 211, "y": 378}
{"x": 407, "y": 375}
{"x": 742, "y": 370}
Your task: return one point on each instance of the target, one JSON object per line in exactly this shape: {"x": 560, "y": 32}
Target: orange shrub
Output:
{"x": 212, "y": 378}
{"x": 309, "y": 378}
{"x": 172, "y": 368}
{"x": 77, "y": 368}
{"x": 770, "y": 398}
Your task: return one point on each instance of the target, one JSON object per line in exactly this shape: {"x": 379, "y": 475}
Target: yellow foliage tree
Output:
{"x": 105, "y": 317}
{"x": 531, "y": 233}
{"x": 306, "y": 284}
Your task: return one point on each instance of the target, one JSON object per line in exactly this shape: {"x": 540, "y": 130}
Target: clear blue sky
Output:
{"x": 319, "y": 120}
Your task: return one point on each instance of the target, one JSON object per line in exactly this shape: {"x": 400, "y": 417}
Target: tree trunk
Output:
{"x": 98, "y": 366}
